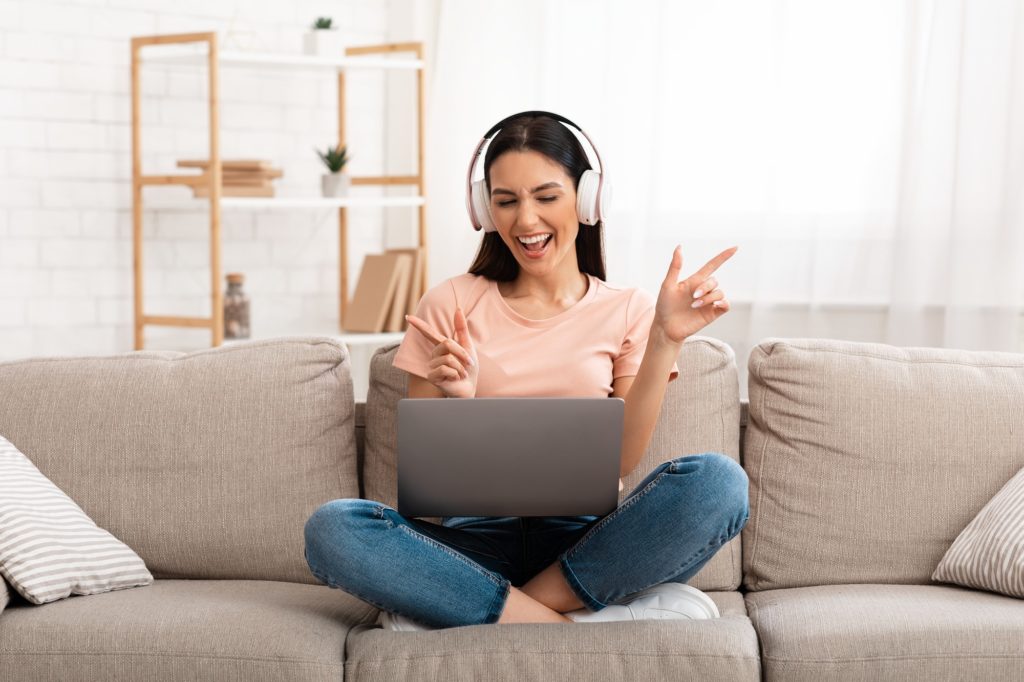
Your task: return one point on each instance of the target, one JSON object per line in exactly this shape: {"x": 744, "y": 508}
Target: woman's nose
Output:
{"x": 527, "y": 215}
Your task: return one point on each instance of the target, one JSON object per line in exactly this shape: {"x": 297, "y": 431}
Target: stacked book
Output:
{"x": 388, "y": 289}
{"x": 240, "y": 177}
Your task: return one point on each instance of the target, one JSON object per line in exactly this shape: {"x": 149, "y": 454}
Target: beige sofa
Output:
{"x": 865, "y": 462}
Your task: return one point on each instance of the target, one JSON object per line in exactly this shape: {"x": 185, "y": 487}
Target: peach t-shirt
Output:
{"x": 576, "y": 353}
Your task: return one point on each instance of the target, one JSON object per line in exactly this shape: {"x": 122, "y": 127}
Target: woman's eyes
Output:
{"x": 546, "y": 200}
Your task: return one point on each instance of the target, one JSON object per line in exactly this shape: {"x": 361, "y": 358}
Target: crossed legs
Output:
{"x": 710, "y": 491}
{"x": 542, "y": 600}
{"x": 676, "y": 519}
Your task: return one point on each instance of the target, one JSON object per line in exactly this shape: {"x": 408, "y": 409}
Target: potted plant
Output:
{"x": 324, "y": 40}
{"x": 336, "y": 183}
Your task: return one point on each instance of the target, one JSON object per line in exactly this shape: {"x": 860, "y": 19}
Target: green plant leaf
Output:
{"x": 334, "y": 158}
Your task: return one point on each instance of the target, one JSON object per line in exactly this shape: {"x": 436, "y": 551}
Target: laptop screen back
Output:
{"x": 509, "y": 456}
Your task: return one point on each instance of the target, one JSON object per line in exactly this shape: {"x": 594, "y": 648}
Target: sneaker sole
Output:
{"x": 695, "y": 596}
{"x": 688, "y": 594}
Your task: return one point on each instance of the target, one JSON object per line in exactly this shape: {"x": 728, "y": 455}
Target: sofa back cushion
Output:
{"x": 701, "y": 413}
{"x": 867, "y": 460}
{"x": 207, "y": 464}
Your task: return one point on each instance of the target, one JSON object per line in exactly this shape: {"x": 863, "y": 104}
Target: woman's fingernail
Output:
{"x": 696, "y": 304}
{"x": 717, "y": 304}
{"x": 471, "y": 363}
{"x": 698, "y": 293}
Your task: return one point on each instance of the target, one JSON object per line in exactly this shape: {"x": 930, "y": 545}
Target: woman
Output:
{"x": 534, "y": 317}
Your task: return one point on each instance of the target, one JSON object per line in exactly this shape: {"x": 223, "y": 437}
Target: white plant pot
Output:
{"x": 335, "y": 184}
{"x": 324, "y": 42}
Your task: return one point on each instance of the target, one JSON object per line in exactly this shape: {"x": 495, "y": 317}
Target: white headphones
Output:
{"x": 592, "y": 192}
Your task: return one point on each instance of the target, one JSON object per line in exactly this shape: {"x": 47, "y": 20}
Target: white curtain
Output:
{"x": 867, "y": 157}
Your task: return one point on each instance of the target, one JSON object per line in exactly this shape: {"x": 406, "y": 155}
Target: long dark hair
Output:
{"x": 546, "y": 136}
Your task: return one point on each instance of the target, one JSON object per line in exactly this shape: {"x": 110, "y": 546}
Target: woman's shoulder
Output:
{"x": 632, "y": 300}
{"x": 462, "y": 290}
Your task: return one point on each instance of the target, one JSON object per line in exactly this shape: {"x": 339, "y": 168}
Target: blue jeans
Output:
{"x": 460, "y": 572}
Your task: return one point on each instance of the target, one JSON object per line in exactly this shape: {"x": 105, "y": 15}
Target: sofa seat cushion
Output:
{"x": 213, "y": 630}
{"x": 721, "y": 649}
{"x": 888, "y": 632}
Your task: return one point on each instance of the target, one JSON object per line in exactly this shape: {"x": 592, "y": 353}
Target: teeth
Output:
{"x": 534, "y": 240}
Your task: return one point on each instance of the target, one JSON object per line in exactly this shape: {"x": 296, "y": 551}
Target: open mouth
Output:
{"x": 535, "y": 246}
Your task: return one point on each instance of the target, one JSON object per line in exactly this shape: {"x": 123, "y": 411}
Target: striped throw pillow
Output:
{"x": 49, "y": 547}
{"x": 989, "y": 553}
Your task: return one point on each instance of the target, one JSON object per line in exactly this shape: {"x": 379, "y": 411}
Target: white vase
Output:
{"x": 335, "y": 184}
{"x": 324, "y": 42}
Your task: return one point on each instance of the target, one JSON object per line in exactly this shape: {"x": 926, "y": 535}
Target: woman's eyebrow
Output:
{"x": 546, "y": 185}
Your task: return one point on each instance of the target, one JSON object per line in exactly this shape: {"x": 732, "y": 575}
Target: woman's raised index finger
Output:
{"x": 425, "y": 329}
{"x": 717, "y": 261}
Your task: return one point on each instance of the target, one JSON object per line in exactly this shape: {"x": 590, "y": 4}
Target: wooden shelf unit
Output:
{"x": 192, "y": 53}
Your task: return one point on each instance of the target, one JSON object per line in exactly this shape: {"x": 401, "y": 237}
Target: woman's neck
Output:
{"x": 554, "y": 289}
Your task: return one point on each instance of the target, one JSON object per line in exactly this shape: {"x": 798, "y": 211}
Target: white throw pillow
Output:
{"x": 989, "y": 553}
{"x": 49, "y": 547}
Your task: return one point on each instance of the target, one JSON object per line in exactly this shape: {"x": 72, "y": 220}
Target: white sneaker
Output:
{"x": 393, "y": 621}
{"x": 664, "y": 601}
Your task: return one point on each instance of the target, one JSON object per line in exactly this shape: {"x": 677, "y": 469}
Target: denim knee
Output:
{"x": 727, "y": 478}
{"x": 333, "y": 524}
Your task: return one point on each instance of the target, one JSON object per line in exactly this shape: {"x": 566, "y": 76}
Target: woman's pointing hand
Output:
{"x": 685, "y": 307}
{"x": 453, "y": 364}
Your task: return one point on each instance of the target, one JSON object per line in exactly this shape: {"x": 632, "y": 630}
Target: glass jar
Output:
{"x": 236, "y": 308}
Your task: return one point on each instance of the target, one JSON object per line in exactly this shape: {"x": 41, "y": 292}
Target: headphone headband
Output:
{"x": 523, "y": 114}
{"x": 477, "y": 221}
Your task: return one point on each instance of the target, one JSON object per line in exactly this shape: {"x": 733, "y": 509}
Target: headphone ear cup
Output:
{"x": 587, "y": 209}
{"x": 481, "y": 206}
{"x": 606, "y": 201}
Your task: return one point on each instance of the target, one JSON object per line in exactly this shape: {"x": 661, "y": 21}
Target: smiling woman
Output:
{"x": 536, "y": 243}
{"x": 534, "y": 317}
{"x": 538, "y": 147}
{"x": 536, "y": 223}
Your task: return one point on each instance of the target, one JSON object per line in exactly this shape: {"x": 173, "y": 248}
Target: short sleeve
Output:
{"x": 437, "y": 307}
{"x": 639, "y": 315}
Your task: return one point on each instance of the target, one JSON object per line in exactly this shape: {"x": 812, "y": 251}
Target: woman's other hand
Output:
{"x": 686, "y": 307}
{"x": 453, "y": 364}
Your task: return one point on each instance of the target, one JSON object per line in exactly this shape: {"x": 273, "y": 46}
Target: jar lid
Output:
{"x": 235, "y": 278}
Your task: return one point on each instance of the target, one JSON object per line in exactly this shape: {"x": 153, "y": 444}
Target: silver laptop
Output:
{"x": 509, "y": 456}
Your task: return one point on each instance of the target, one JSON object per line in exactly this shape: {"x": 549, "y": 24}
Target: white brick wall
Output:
{"x": 65, "y": 169}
